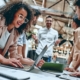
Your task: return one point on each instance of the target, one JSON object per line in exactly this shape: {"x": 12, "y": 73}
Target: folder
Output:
{"x": 53, "y": 67}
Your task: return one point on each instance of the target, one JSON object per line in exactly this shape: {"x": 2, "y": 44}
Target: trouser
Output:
{"x": 44, "y": 58}
{"x": 33, "y": 55}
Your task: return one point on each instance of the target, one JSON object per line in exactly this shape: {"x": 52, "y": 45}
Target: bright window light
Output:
{"x": 40, "y": 19}
{"x": 2, "y": 3}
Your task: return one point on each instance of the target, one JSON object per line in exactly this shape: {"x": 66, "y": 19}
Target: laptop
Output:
{"x": 29, "y": 68}
{"x": 53, "y": 67}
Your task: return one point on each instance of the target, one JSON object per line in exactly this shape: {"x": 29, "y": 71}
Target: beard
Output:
{"x": 34, "y": 23}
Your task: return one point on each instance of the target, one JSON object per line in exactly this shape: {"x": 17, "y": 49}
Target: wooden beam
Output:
{"x": 63, "y": 6}
{"x": 44, "y": 3}
{"x": 55, "y": 4}
{"x": 34, "y": 2}
{"x": 39, "y": 2}
{"x": 50, "y": 13}
{"x": 58, "y": 17}
{"x": 59, "y": 24}
{"x": 69, "y": 5}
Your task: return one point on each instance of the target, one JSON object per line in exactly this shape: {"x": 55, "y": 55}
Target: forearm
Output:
{"x": 13, "y": 50}
{"x": 23, "y": 50}
{"x": 77, "y": 63}
{"x": 69, "y": 60}
{"x": 27, "y": 61}
{"x": 2, "y": 59}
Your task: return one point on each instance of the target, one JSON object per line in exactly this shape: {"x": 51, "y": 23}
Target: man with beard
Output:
{"x": 30, "y": 39}
{"x": 46, "y": 36}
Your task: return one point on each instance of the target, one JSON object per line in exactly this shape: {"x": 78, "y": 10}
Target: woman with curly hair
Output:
{"x": 15, "y": 17}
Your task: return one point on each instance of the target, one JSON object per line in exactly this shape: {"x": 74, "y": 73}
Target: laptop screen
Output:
{"x": 39, "y": 57}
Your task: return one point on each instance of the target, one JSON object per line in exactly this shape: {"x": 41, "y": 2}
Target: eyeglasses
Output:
{"x": 25, "y": 19}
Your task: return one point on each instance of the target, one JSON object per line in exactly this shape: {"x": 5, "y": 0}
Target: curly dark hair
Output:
{"x": 76, "y": 20}
{"x": 9, "y": 10}
{"x": 37, "y": 12}
{"x": 77, "y": 3}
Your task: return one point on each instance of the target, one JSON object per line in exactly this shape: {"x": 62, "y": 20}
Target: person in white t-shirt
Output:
{"x": 47, "y": 36}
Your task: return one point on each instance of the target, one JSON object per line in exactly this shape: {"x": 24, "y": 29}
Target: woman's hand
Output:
{"x": 57, "y": 42}
{"x": 76, "y": 74}
{"x": 34, "y": 37}
{"x": 13, "y": 62}
{"x": 67, "y": 68}
{"x": 41, "y": 62}
{"x": 70, "y": 69}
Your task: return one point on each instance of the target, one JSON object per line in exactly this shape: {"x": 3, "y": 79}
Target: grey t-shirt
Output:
{"x": 22, "y": 39}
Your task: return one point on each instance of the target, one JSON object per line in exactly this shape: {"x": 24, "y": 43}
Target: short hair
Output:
{"x": 9, "y": 10}
{"x": 48, "y": 16}
{"x": 77, "y": 3}
{"x": 37, "y": 12}
{"x": 76, "y": 20}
